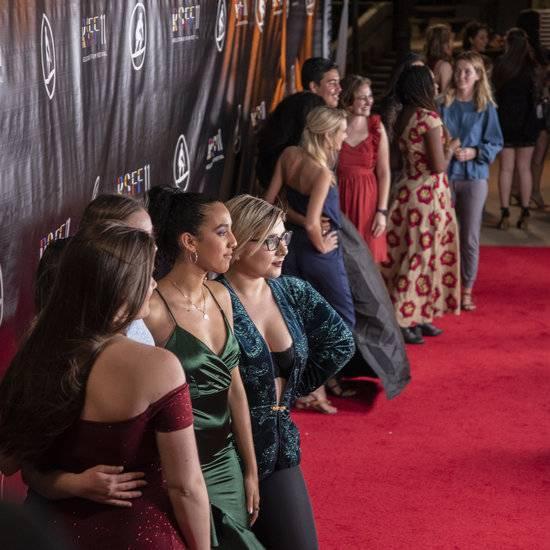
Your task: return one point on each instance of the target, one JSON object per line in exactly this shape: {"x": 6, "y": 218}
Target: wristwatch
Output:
{"x": 383, "y": 211}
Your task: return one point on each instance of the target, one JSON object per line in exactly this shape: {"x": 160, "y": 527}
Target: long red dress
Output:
{"x": 358, "y": 187}
{"x": 150, "y": 523}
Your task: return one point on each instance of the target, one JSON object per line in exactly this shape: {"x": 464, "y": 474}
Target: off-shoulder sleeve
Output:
{"x": 173, "y": 411}
{"x": 330, "y": 341}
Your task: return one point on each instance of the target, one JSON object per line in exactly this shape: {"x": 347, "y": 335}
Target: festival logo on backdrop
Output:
{"x": 61, "y": 232}
{"x": 181, "y": 168}
{"x": 241, "y": 12}
{"x": 259, "y": 13}
{"x": 258, "y": 114}
{"x": 221, "y": 25}
{"x": 47, "y": 54}
{"x": 310, "y": 7}
{"x": 93, "y": 38}
{"x": 186, "y": 23}
{"x": 237, "y": 130}
{"x": 214, "y": 152}
{"x": 138, "y": 36}
{"x": 133, "y": 183}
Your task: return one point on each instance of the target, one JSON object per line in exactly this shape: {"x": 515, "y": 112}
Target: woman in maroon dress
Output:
{"x": 364, "y": 167}
{"x": 80, "y": 393}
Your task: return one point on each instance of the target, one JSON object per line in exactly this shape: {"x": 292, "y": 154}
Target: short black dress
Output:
{"x": 516, "y": 100}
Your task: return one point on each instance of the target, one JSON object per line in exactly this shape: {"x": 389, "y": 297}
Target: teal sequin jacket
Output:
{"x": 323, "y": 344}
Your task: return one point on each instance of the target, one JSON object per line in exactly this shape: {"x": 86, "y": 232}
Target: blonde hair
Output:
{"x": 483, "y": 95}
{"x": 437, "y": 36}
{"x": 252, "y": 218}
{"x": 321, "y": 123}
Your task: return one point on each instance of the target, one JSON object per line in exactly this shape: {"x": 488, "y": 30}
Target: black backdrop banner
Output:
{"x": 104, "y": 96}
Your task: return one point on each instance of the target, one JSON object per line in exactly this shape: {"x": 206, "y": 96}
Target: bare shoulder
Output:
{"x": 222, "y": 297}
{"x": 155, "y": 371}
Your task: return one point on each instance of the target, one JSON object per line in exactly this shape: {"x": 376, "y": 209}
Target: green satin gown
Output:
{"x": 209, "y": 378}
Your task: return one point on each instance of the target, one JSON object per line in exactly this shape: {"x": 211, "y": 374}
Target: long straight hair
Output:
{"x": 517, "y": 57}
{"x": 483, "y": 96}
{"x": 102, "y": 282}
{"x": 322, "y": 123}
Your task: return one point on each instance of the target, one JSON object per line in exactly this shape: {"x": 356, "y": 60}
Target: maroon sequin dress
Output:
{"x": 150, "y": 523}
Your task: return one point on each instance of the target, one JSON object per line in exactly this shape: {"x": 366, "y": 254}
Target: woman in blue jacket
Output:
{"x": 470, "y": 114}
{"x": 291, "y": 342}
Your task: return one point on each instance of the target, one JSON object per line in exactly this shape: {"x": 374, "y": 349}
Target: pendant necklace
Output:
{"x": 192, "y": 306}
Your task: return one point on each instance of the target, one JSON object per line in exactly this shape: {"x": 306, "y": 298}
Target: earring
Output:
{"x": 194, "y": 257}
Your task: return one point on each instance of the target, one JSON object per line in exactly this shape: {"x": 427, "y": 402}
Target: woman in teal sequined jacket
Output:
{"x": 271, "y": 314}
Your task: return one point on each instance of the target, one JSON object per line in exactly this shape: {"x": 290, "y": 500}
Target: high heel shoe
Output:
{"x": 467, "y": 302}
{"x": 504, "y": 222}
{"x": 523, "y": 222}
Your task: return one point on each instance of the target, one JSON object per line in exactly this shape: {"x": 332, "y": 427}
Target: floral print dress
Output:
{"x": 422, "y": 272}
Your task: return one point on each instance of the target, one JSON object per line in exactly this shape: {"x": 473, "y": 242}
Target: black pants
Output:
{"x": 286, "y": 518}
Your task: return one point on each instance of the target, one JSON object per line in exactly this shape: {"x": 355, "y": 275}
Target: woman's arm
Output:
{"x": 330, "y": 341}
{"x": 185, "y": 484}
{"x": 438, "y": 158}
{"x": 242, "y": 429}
{"x": 276, "y": 182}
{"x": 323, "y": 243}
{"x": 103, "y": 484}
{"x": 383, "y": 178}
{"x": 492, "y": 140}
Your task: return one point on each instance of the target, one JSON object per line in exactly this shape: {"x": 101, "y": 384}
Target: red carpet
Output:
{"x": 461, "y": 460}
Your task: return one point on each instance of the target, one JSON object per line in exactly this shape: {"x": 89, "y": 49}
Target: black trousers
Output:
{"x": 286, "y": 518}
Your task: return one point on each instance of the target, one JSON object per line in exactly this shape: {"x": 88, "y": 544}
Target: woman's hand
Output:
{"x": 464, "y": 154}
{"x": 108, "y": 485}
{"x": 330, "y": 242}
{"x": 379, "y": 224}
{"x": 452, "y": 146}
{"x": 252, "y": 492}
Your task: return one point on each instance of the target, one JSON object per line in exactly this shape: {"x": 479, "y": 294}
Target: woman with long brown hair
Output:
{"x": 515, "y": 79}
{"x": 438, "y": 53}
{"x": 79, "y": 392}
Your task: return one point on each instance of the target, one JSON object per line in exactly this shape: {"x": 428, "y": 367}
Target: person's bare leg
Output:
{"x": 524, "y": 156}
{"x": 506, "y": 175}
{"x": 537, "y": 166}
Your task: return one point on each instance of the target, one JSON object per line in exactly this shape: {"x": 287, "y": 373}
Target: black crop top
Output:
{"x": 283, "y": 362}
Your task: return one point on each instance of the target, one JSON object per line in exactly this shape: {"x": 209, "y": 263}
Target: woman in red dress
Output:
{"x": 364, "y": 167}
{"x": 79, "y": 392}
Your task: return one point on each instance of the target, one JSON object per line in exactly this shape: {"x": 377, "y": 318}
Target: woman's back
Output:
{"x": 124, "y": 409}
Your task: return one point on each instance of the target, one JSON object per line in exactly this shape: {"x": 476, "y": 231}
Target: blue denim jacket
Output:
{"x": 323, "y": 344}
{"x": 479, "y": 130}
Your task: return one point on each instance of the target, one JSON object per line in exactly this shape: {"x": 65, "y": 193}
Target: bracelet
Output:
{"x": 383, "y": 211}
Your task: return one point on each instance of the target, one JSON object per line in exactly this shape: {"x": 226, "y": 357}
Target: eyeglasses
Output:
{"x": 272, "y": 243}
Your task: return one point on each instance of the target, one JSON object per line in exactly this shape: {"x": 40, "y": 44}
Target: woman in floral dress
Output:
{"x": 423, "y": 267}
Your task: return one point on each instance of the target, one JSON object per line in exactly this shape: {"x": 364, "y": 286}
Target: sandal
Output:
{"x": 334, "y": 387}
{"x": 467, "y": 302}
{"x": 319, "y": 405}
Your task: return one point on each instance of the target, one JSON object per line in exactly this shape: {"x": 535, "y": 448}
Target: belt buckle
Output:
{"x": 278, "y": 408}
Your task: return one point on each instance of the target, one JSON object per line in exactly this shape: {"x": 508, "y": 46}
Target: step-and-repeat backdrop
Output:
{"x": 104, "y": 96}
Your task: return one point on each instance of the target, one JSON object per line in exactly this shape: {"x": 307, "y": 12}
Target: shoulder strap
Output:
{"x": 167, "y": 306}
{"x": 215, "y": 301}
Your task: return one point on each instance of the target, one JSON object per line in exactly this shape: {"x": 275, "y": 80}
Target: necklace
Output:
{"x": 193, "y": 306}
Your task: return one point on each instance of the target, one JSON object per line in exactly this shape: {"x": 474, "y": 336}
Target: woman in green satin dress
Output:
{"x": 192, "y": 317}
